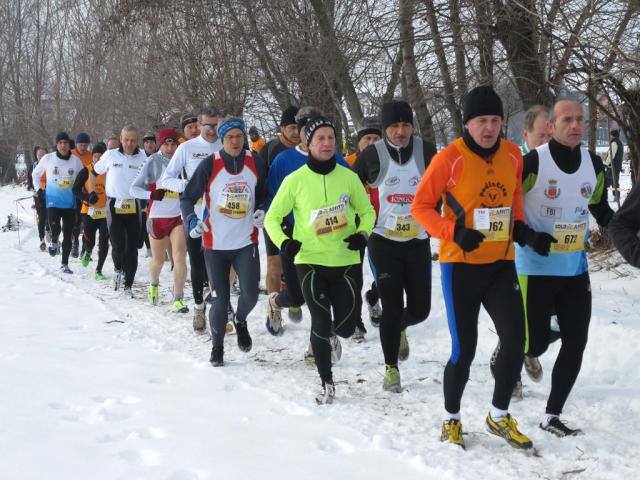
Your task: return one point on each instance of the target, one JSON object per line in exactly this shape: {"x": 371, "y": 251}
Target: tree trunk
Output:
{"x": 445, "y": 73}
{"x": 337, "y": 61}
{"x": 517, "y": 33}
{"x": 414, "y": 89}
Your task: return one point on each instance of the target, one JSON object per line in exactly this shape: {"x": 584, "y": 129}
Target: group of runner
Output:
{"x": 512, "y": 233}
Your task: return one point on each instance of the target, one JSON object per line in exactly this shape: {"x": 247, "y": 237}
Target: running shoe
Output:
{"x": 507, "y": 428}
{"x": 179, "y": 306}
{"x": 403, "y": 352}
{"x": 452, "y": 432}
{"x": 153, "y": 294}
{"x": 391, "y": 381}
{"x": 559, "y": 428}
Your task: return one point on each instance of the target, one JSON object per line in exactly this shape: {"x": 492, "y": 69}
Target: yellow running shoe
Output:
{"x": 153, "y": 294}
{"x": 452, "y": 432}
{"x": 507, "y": 428}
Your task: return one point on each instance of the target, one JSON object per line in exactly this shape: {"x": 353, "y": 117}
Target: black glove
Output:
{"x": 539, "y": 241}
{"x": 41, "y": 196}
{"x": 468, "y": 238}
{"x": 290, "y": 247}
{"x": 357, "y": 241}
{"x": 93, "y": 198}
{"x": 158, "y": 194}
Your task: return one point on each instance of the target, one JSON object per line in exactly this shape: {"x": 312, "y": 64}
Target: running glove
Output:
{"x": 540, "y": 242}
{"x": 197, "y": 228}
{"x": 158, "y": 194}
{"x": 357, "y": 241}
{"x": 467, "y": 238}
{"x": 258, "y": 218}
{"x": 290, "y": 247}
{"x": 40, "y": 195}
{"x": 93, "y": 198}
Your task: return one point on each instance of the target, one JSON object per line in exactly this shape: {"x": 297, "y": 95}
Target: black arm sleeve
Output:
{"x": 429, "y": 151}
{"x": 367, "y": 165}
{"x": 261, "y": 186}
{"x": 78, "y": 185}
{"x": 624, "y": 227}
{"x": 195, "y": 189}
{"x": 598, "y": 205}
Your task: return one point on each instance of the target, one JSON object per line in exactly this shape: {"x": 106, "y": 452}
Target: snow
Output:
{"x": 95, "y": 385}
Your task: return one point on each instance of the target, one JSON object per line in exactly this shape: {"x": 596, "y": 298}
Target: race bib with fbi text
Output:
{"x": 570, "y": 237}
{"x": 493, "y": 223}
{"x": 233, "y": 204}
{"x": 402, "y": 226}
{"x": 329, "y": 219}
{"x": 125, "y": 206}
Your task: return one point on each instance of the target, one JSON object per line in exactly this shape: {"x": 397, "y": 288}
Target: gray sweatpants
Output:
{"x": 246, "y": 263}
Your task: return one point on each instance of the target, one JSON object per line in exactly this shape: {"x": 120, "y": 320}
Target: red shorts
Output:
{"x": 159, "y": 228}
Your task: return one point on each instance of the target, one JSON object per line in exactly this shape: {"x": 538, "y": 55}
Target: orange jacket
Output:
{"x": 465, "y": 182}
{"x": 85, "y": 159}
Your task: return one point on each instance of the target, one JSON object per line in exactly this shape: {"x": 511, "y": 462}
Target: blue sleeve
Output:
{"x": 342, "y": 161}
{"x": 274, "y": 181}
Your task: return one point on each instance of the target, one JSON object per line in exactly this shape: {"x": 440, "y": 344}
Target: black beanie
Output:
{"x": 99, "y": 147}
{"x": 289, "y": 116}
{"x": 63, "y": 136}
{"x": 396, "y": 111}
{"x": 615, "y": 133}
{"x": 370, "y": 125}
{"x": 314, "y": 124}
{"x": 481, "y": 101}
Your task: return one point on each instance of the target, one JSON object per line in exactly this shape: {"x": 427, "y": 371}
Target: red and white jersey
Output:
{"x": 229, "y": 206}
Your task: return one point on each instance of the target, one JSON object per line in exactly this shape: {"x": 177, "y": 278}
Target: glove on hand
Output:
{"x": 197, "y": 228}
{"x": 357, "y": 241}
{"x": 467, "y": 238}
{"x": 540, "y": 242}
{"x": 258, "y": 219}
{"x": 93, "y": 198}
{"x": 290, "y": 247}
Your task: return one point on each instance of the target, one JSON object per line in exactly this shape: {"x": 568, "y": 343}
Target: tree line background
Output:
{"x": 96, "y": 65}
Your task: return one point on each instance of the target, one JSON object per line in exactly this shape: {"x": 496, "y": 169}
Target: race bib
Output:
{"x": 402, "y": 226}
{"x": 125, "y": 206}
{"x": 170, "y": 194}
{"x": 570, "y": 237}
{"x": 493, "y": 223}
{"x": 65, "y": 182}
{"x": 329, "y": 219}
{"x": 97, "y": 213}
{"x": 234, "y": 205}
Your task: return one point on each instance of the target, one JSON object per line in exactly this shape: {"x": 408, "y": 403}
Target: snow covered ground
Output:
{"x": 98, "y": 386}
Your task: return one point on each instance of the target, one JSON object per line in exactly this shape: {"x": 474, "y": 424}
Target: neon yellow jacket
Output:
{"x": 304, "y": 192}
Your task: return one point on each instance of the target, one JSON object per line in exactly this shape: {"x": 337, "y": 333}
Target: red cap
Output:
{"x": 167, "y": 134}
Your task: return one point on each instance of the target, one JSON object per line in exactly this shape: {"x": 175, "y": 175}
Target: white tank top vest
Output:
{"x": 397, "y": 185}
{"x": 558, "y": 204}
{"x": 230, "y": 203}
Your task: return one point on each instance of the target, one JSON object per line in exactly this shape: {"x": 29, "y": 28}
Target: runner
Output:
{"x": 61, "y": 168}
{"x": 369, "y": 134}
{"x": 562, "y": 182}
{"x": 175, "y": 177}
{"x": 40, "y": 205}
{"x": 624, "y": 227}
{"x": 83, "y": 152}
{"x": 325, "y": 198}
{"x": 536, "y": 131}
{"x": 164, "y": 222}
{"x": 94, "y": 211}
{"x": 233, "y": 183}
{"x": 399, "y": 248}
{"x": 123, "y": 212}
{"x": 256, "y": 141}
{"x": 190, "y": 128}
{"x": 288, "y": 137}
{"x": 478, "y": 179}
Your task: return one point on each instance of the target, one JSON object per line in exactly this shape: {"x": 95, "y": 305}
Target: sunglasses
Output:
{"x": 209, "y": 126}
{"x": 149, "y": 139}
